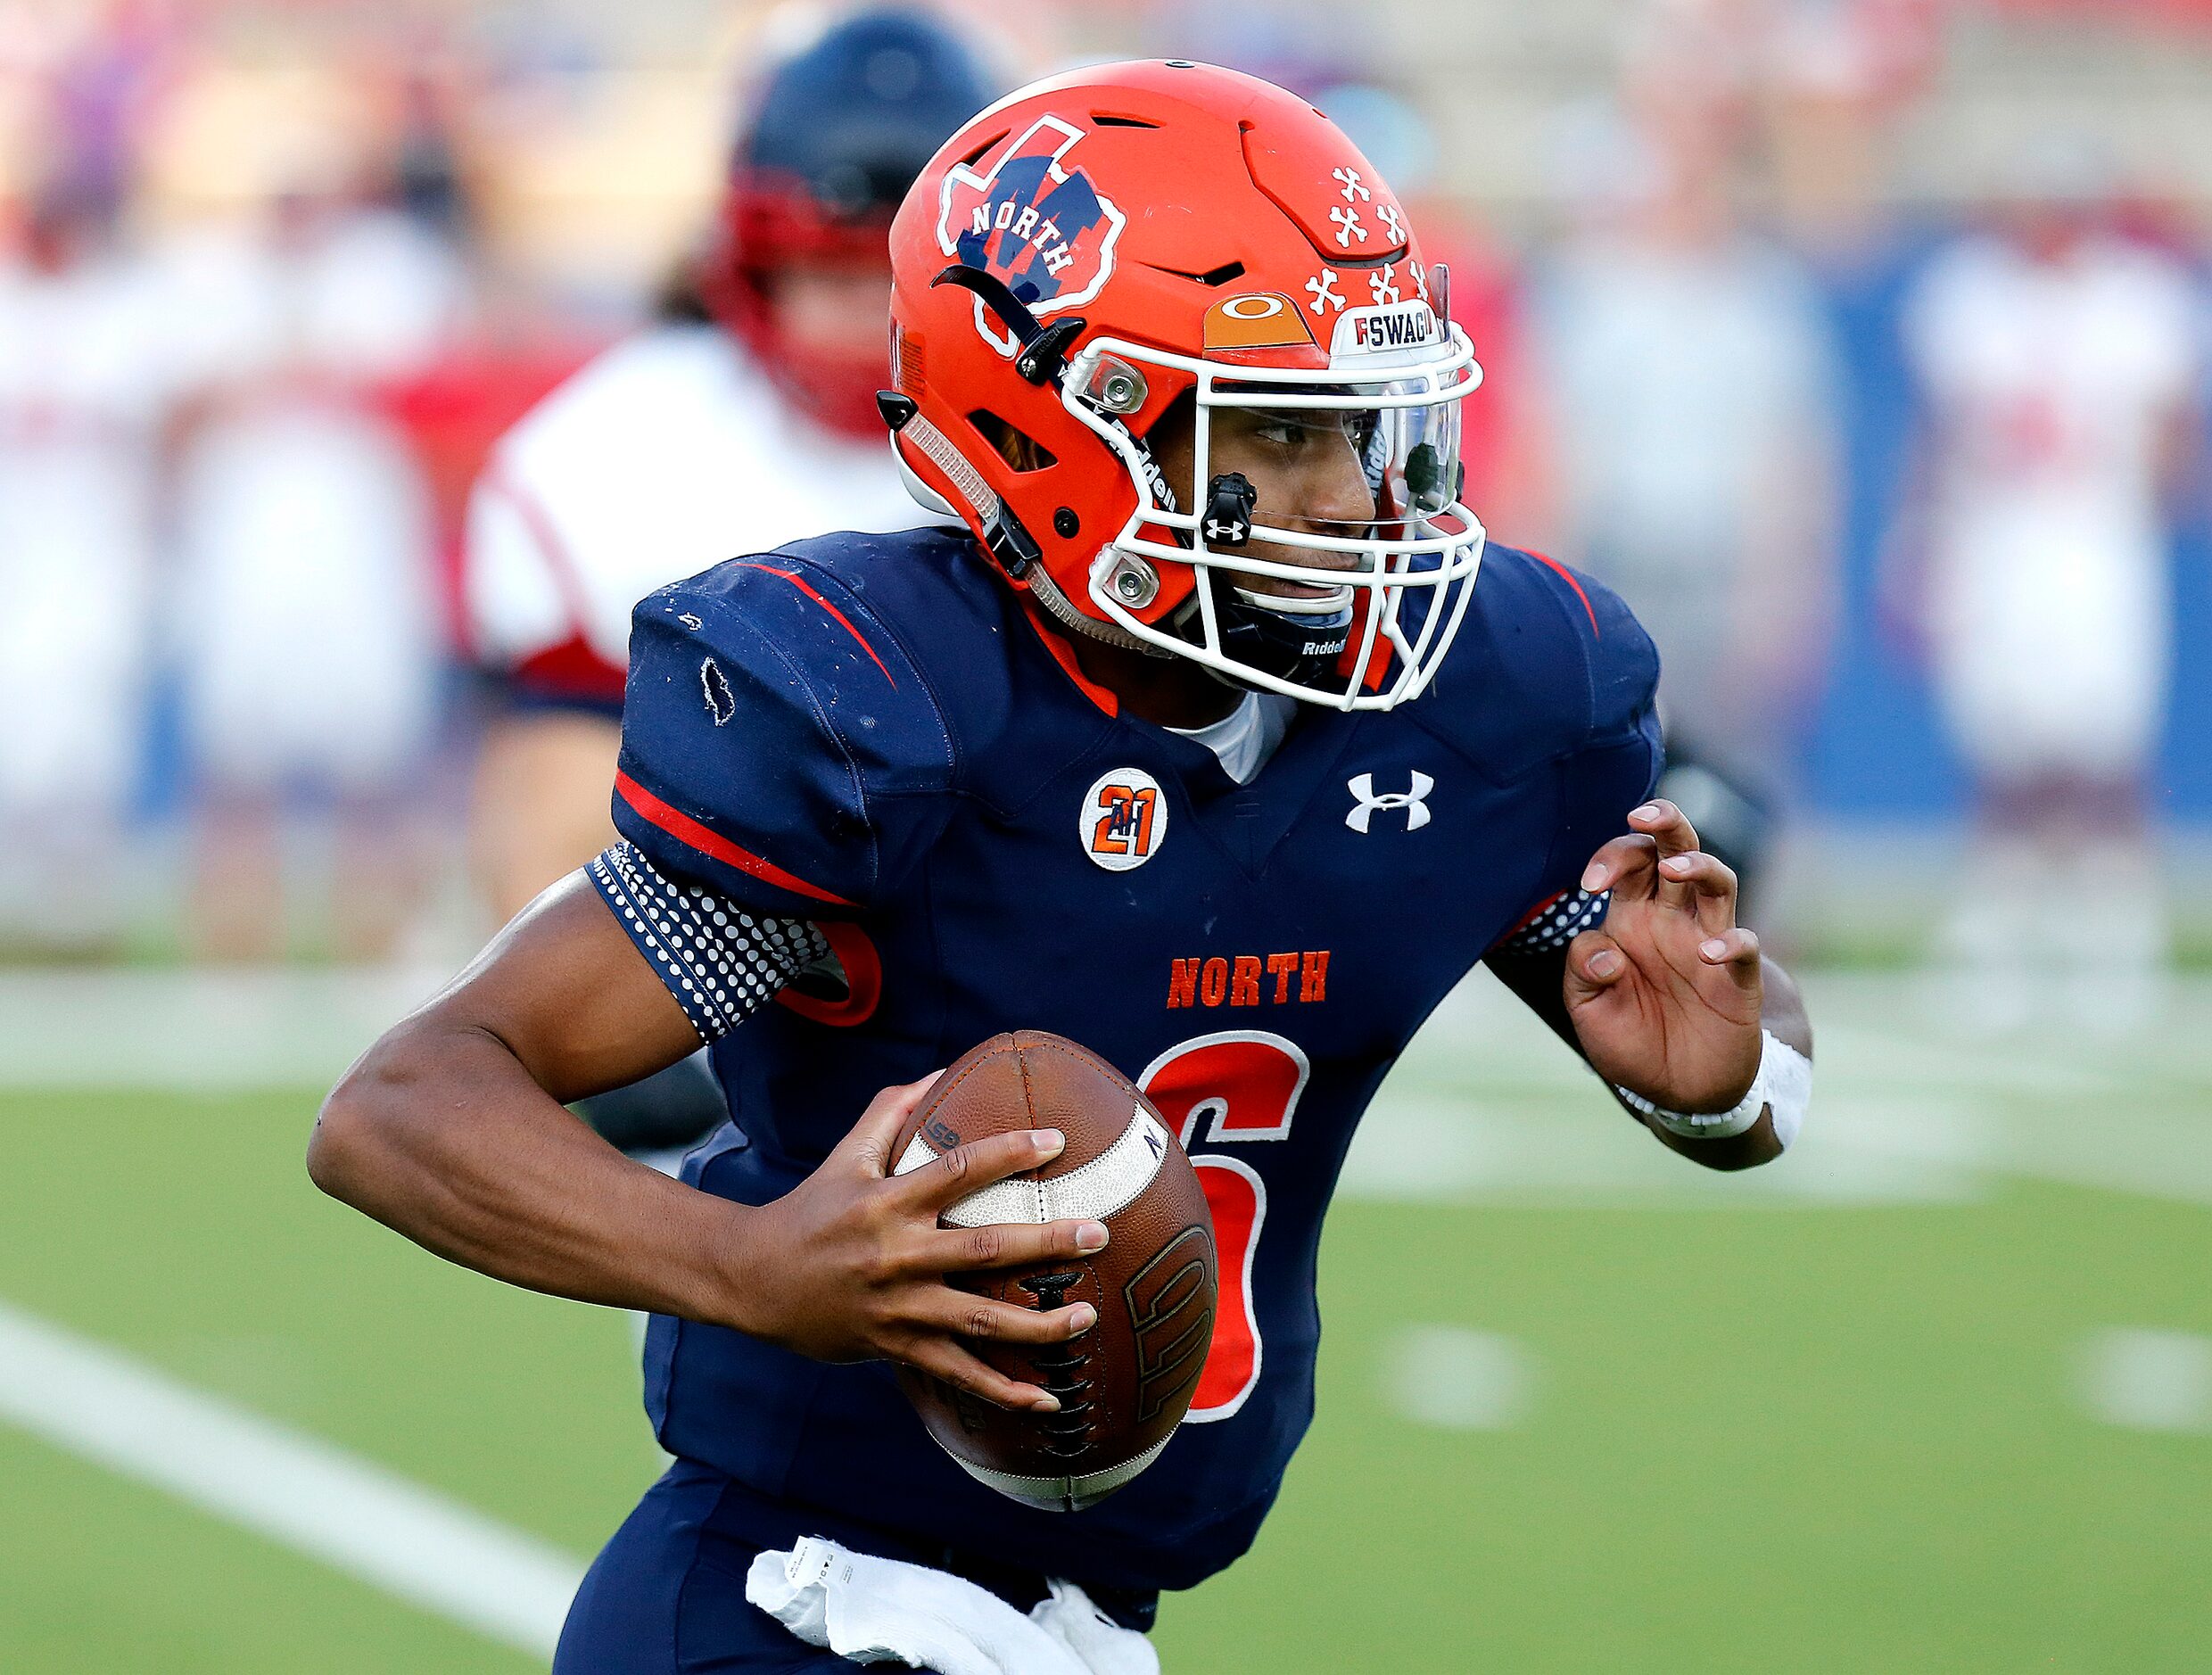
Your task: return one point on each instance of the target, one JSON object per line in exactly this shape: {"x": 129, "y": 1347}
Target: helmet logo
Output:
{"x": 1123, "y": 819}
{"x": 1256, "y": 319}
{"x": 1256, "y": 307}
{"x": 1388, "y": 327}
{"x": 1032, "y": 222}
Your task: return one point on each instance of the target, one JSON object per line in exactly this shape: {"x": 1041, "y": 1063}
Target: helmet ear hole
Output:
{"x": 1018, "y": 449}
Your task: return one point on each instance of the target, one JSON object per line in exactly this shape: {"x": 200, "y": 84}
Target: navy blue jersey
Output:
{"x": 868, "y": 731}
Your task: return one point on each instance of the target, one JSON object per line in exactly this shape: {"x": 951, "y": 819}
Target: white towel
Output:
{"x": 883, "y": 1611}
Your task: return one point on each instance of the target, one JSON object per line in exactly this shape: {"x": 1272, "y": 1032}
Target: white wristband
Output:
{"x": 1784, "y": 1081}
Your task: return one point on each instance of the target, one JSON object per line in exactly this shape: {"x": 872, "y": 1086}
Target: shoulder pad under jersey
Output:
{"x": 1552, "y": 675}
{"x": 1547, "y": 664}
{"x": 779, "y": 742}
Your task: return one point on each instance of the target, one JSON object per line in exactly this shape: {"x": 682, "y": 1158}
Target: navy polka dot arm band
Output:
{"x": 722, "y": 962}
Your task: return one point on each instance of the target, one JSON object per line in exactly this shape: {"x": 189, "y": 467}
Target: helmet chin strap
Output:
{"x": 899, "y": 413}
{"x": 1082, "y": 621}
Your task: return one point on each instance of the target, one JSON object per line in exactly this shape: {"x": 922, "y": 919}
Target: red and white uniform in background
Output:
{"x": 308, "y": 621}
{"x": 85, "y": 382}
{"x": 669, "y": 453}
{"x": 84, "y": 385}
{"x": 2049, "y": 603}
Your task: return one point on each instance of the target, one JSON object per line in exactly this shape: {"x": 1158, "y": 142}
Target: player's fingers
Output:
{"x": 1008, "y": 1244}
{"x": 1623, "y": 865}
{"x": 870, "y": 1143}
{"x": 969, "y": 1168}
{"x": 1737, "y": 951}
{"x": 1707, "y": 886}
{"x": 946, "y": 1359}
{"x": 1595, "y": 963}
{"x": 1667, "y": 824}
{"x": 985, "y": 1320}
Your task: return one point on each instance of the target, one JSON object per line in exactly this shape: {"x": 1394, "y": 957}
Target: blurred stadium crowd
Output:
{"x": 1891, "y": 439}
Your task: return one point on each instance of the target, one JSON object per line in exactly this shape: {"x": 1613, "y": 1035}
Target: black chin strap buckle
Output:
{"x": 1229, "y": 501}
{"x": 1011, "y": 544}
{"x": 1043, "y": 349}
{"x": 896, "y": 408}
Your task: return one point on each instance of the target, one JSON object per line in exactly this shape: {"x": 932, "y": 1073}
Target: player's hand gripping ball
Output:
{"x": 1125, "y": 1385}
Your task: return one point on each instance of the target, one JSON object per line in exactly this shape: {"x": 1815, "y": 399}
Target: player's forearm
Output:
{"x": 440, "y": 1134}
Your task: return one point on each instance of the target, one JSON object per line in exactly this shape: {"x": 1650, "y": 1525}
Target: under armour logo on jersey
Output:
{"x": 1362, "y": 787}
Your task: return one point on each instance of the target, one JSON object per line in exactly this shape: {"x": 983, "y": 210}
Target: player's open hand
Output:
{"x": 850, "y": 1265}
{"x": 1666, "y": 995}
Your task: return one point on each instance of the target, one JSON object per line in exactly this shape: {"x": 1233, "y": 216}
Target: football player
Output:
{"x": 86, "y": 386}
{"x": 1216, "y": 739}
{"x": 2060, "y": 366}
{"x": 744, "y": 418}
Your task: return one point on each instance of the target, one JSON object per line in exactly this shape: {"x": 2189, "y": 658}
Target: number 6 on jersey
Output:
{"x": 1239, "y": 1086}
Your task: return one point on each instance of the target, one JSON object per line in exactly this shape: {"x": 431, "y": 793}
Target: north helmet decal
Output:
{"x": 1035, "y": 221}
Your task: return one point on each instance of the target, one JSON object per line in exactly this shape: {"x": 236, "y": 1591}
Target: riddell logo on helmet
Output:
{"x": 1034, "y": 222}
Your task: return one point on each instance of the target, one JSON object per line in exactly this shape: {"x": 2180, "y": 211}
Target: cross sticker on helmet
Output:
{"x": 1322, "y": 286}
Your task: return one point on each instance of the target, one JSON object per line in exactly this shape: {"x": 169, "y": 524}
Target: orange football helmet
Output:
{"x": 1093, "y": 249}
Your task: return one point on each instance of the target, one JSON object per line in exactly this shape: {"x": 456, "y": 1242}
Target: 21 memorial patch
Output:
{"x": 1123, "y": 819}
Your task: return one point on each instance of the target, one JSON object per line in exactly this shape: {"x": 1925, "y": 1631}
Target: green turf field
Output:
{"x": 1853, "y": 1416}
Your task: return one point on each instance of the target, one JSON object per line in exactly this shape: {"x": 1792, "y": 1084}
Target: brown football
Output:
{"x": 1125, "y": 1385}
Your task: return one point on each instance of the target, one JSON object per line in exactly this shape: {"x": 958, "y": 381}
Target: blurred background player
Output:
{"x": 2061, "y": 367}
{"x": 307, "y": 636}
{"x": 743, "y": 417}
{"x": 84, "y": 385}
{"x": 1687, "y": 364}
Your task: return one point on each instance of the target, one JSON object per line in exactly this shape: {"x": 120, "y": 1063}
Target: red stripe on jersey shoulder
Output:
{"x": 800, "y": 582}
{"x": 684, "y": 830}
{"x": 1567, "y": 576}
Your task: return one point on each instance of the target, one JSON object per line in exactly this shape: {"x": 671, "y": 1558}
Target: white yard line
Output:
{"x": 409, "y": 1541}
{"x": 215, "y": 1031}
